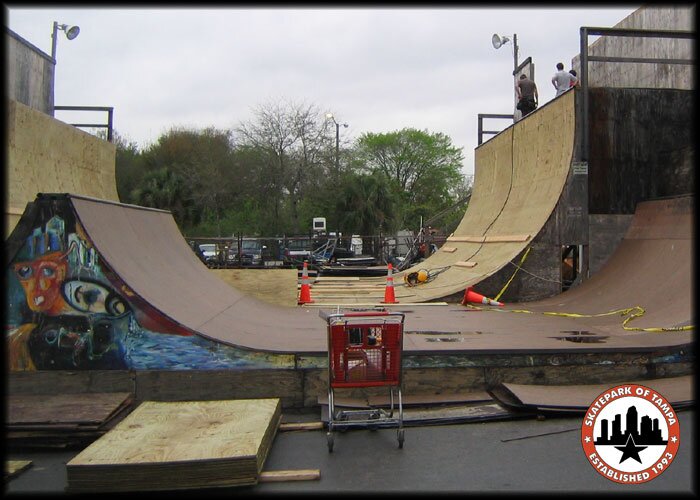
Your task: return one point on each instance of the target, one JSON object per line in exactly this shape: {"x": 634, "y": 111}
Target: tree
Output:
{"x": 129, "y": 167}
{"x": 290, "y": 143}
{"x": 166, "y": 190}
{"x": 204, "y": 161}
{"x": 425, "y": 169}
{"x": 366, "y": 204}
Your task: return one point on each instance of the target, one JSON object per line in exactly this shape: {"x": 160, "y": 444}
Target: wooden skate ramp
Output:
{"x": 651, "y": 269}
{"x": 519, "y": 177}
{"x": 144, "y": 250}
{"x": 45, "y": 155}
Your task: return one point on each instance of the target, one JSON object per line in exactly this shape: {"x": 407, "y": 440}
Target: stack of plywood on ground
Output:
{"x": 63, "y": 420}
{"x": 180, "y": 445}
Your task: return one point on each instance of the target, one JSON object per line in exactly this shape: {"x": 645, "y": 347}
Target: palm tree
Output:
{"x": 165, "y": 189}
{"x": 366, "y": 205}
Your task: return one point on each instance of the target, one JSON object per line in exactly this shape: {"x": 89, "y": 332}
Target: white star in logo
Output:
{"x": 588, "y": 439}
{"x": 674, "y": 439}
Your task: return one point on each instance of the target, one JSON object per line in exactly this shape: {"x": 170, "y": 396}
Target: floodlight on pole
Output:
{"x": 71, "y": 33}
{"x": 499, "y": 40}
{"x": 337, "y": 140}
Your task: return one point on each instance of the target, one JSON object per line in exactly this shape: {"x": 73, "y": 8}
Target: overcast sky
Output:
{"x": 377, "y": 69}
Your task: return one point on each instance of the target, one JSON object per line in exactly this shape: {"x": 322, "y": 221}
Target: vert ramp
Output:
{"x": 519, "y": 177}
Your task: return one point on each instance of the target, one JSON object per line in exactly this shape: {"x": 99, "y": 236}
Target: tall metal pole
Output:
{"x": 54, "y": 40}
{"x": 337, "y": 147}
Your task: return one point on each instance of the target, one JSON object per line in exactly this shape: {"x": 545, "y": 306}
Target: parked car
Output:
{"x": 297, "y": 251}
{"x": 210, "y": 254}
{"x": 251, "y": 253}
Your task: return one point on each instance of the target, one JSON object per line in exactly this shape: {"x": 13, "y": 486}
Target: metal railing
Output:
{"x": 108, "y": 125}
{"x": 481, "y": 131}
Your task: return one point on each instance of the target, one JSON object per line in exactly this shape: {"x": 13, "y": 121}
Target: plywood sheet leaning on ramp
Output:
{"x": 180, "y": 445}
{"x": 566, "y": 398}
{"x": 519, "y": 178}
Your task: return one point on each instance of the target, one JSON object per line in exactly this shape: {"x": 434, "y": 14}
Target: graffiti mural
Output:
{"x": 67, "y": 310}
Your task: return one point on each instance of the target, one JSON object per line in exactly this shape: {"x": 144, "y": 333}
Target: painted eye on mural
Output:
{"x": 92, "y": 297}
{"x": 50, "y": 335}
{"x": 24, "y": 272}
{"x": 115, "y": 305}
{"x": 48, "y": 272}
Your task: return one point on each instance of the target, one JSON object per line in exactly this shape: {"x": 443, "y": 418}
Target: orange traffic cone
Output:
{"x": 389, "y": 297}
{"x": 471, "y": 296}
{"x": 305, "y": 293}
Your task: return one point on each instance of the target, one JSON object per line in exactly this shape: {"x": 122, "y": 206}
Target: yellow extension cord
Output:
{"x": 630, "y": 312}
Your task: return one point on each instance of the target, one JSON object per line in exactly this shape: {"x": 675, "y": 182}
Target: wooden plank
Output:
{"x": 489, "y": 239}
{"x": 466, "y": 239}
{"x": 289, "y": 475}
{"x": 448, "y": 249}
{"x": 465, "y": 263}
{"x": 300, "y": 426}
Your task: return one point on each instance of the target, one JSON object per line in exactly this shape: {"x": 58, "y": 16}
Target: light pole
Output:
{"x": 499, "y": 41}
{"x": 337, "y": 140}
{"x": 70, "y": 31}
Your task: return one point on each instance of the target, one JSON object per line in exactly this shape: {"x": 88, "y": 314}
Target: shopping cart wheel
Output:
{"x": 329, "y": 438}
{"x": 400, "y": 437}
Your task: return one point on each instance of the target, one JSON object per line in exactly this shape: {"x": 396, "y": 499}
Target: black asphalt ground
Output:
{"x": 503, "y": 457}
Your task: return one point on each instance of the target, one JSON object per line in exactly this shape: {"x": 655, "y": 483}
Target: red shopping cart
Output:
{"x": 364, "y": 350}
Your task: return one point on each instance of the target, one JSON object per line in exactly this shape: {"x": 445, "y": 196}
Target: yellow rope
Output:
{"x": 517, "y": 268}
{"x": 630, "y": 312}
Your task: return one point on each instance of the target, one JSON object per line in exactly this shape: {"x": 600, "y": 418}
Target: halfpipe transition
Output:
{"x": 519, "y": 178}
{"x": 95, "y": 284}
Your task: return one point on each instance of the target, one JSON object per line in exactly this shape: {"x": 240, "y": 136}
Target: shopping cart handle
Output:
{"x": 358, "y": 314}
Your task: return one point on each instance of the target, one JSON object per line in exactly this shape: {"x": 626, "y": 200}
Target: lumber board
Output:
{"x": 515, "y": 238}
{"x": 465, "y": 263}
{"x": 448, "y": 249}
{"x": 300, "y": 426}
{"x": 290, "y": 475}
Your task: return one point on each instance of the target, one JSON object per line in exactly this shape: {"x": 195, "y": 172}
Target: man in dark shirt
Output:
{"x": 527, "y": 95}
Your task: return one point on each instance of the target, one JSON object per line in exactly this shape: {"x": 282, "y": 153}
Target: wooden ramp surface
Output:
{"x": 677, "y": 390}
{"x": 180, "y": 445}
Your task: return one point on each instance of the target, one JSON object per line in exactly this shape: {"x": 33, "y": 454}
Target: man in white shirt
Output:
{"x": 562, "y": 80}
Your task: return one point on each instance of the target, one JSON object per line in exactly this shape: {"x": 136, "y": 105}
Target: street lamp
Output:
{"x": 337, "y": 140}
{"x": 70, "y": 31}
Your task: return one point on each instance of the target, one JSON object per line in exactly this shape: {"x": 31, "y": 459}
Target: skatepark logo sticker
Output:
{"x": 630, "y": 434}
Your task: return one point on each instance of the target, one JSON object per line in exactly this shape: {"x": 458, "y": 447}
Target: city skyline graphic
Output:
{"x": 642, "y": 431}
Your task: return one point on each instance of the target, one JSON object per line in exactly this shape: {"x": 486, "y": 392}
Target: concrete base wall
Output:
{"x": 45, "y": 155}
{"x": 303, "y": 388}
